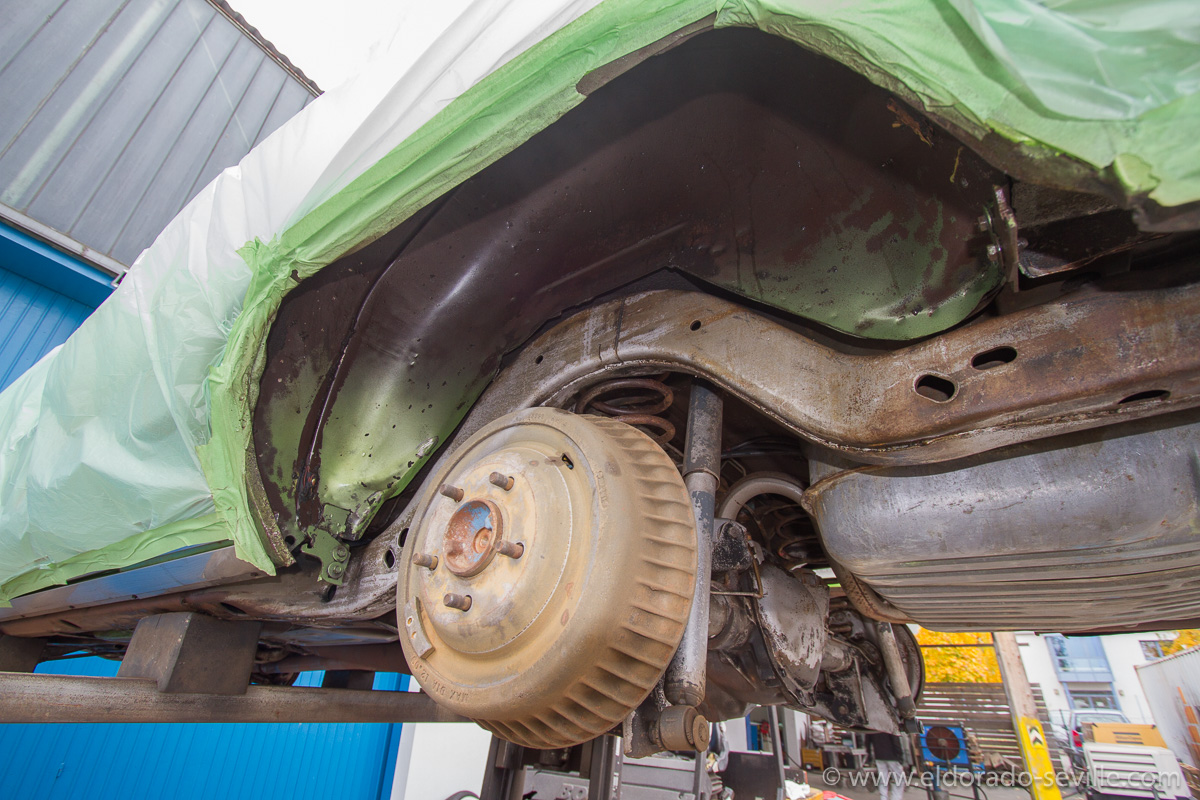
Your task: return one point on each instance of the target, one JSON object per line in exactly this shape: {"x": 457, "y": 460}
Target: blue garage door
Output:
{"x": 347, "y": 761}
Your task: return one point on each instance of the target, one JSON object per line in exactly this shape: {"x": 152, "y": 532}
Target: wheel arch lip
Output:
{"x": 593, "y": 203}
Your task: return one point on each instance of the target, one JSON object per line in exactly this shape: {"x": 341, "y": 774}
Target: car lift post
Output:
{"x": 600, "y": 766}
{"x": 18, "y": 654}
{"x": 187, "y": 667}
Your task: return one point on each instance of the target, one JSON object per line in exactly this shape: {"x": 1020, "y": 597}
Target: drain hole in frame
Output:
{"x": 996, "y": 357}
{"x": 935, "y": 388}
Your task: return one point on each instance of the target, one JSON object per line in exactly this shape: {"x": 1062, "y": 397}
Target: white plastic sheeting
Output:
{"x": 100, "y": 438}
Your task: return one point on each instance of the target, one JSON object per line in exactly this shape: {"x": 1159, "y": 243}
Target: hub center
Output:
{"x": 471, "y": 537}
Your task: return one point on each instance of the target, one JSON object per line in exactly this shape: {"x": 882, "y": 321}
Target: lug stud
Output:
{"x": 505, "y": 482}
{"x": 453, "y": 492}
{"x": 459, "y": 601}
{"x": 511, "y": 549}
{"x": 425, "y": 560}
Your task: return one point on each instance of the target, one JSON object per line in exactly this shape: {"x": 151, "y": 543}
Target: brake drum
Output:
{"x": 547, "y": 576}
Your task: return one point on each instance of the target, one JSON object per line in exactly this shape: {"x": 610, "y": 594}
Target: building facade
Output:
{"x": 1078, "y": 672}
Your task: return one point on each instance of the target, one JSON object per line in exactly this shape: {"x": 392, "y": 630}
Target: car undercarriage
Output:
{"x": 695, "y": 400}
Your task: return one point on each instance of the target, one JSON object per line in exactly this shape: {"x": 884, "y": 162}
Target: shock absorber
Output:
{"x": 685, "y": 678}
{"x": 639, "y": 401}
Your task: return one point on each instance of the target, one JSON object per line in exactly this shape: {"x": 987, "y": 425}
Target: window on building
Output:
{"x": 1152, "y": 649}
{"x": 1093, "y": 698}
{"x": 1079, "y": 658}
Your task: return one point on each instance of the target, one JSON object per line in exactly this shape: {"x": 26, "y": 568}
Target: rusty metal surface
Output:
{"x": 558, "y": 646}
{"x": 1093, "y": 530}
{"x": 387, "y": 657}
{"x": 66, "y": 698}
{"x": 1061, "y": 246}
{"x": 472, "y": 535}
{"x": 1076, "y": 360}
{"x": 367, "y": 593}
{"x": 368, "y": 589}
{"x": 684, "y": 680}
{"x": 290, "y": 617}
{"x": 640, "y": 405}
{"x": 791, "y": 615}
{"x": 304, "y": 344}
{"x": 735, "y": 157}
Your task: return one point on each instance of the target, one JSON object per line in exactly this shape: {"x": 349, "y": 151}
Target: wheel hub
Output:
{"x": 548, "y": 576}
{"x": 471, "y": 537}
{"x": 472, "y": 521}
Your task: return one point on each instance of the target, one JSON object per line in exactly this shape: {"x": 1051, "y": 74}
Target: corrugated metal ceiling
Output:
{"x": 117, "y": 112}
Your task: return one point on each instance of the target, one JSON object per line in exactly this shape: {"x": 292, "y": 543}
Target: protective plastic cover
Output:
{"x": 130, "y": 440}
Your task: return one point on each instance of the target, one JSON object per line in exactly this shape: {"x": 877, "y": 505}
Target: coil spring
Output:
{"x": 636, "y": 408}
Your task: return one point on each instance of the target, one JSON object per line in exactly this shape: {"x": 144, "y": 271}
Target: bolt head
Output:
{"x": 336, "y": 570}
{"x": 459, "y": 601}
{"x": 510, "y": 549}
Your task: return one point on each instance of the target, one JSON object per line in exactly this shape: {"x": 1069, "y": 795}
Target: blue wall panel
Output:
{"x": 33, "y": 321}
{"x": 44, "y": 296}
{"x": 348, "y": 761}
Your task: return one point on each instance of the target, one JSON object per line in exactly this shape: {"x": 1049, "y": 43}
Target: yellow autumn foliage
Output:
{"x": 952, "y": 662}
{"x": 955, "y": 658}
{"x": 1185, "y": 639}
